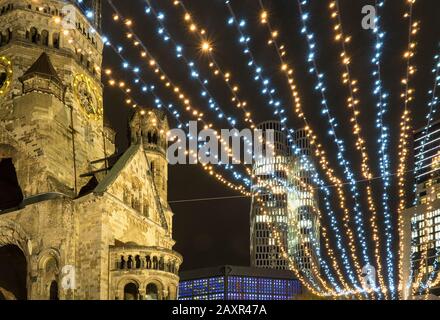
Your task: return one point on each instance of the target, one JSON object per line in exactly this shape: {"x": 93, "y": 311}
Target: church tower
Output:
{"x": 150, "y": 128}
{"x": 77, "y": 221}
{"x": 51, "y": 93}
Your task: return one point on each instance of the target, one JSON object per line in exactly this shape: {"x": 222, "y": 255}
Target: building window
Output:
{"x": 131, "y": 292}
{"x": 152, "y": 292}
{"x": 53, "y": 292}
{"x": 45, "y": 38}
{"x": 34, "y": 37}
{"x": 56, "y": 40}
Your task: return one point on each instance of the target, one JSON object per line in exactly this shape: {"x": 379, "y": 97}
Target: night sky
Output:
{"x": 210, "y": 233}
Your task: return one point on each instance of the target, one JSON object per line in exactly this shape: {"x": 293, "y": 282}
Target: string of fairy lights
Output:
{"x": 207, "y": 47}
{"x": 405, "y": 126}
{"x": 315, "y": 246}
{"x": 150, "y": 89}
{"x": 258, "y": 72}
{"x": 289, "y": 74}
{"x": 353, "y": 103}
{"x": 324, "y": 161}
{"x": 186, "y": 15}
{"x": 158, "y": 70}
{"x": 192, "y": 27}
{"x": 383, "y": 141}
{"x": 189, "y": 19}
{"x": 312, "y": 281}
{"x": 315, "y": 282}
{"x": 239, "y": 25}
{"x": 276, "y": 232}
{"x": 321, "y": 89}
{"x": 159, "y": 104}
{"x": 192, "y": 64}
{"x": 121, "y": 85}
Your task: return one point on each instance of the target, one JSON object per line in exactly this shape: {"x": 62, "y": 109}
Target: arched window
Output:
{"x": 122, "y": 263}
{"x": 155, "y": 263}
{"x": 45, "y": 38}
{"x": 53, "y": 292}
{"x": 56, "y": 40}
{"x": 13, "y": 273}
{"x": 152, "y": 292}
{"x": 137, "y": 262}
{"x": 34, "y": 35}
{"x": 161, "y": 264}
{"x": 148, "y": 262}
{"x": 152, "y": 137}
{"x": 131, "y": 291}
{"x": 130, "y": 262}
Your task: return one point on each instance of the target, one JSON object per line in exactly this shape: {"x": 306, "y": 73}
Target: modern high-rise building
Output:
{"x": 283, "y": 204}
{"x": 238, "y": 283}
{"x": 422, "y": 221}
{"x": 269, "y": 201}
{"x": 302, "y": 206}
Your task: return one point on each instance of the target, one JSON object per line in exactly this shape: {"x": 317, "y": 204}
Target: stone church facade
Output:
{"x": 77, "y": 220}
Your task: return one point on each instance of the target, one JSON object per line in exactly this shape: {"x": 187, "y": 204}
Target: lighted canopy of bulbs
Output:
{"x": 405, "y": 132}
{"x": 383, "y": 142}
{"x": 353, "y": 103}
{"x": 316, "y": 283}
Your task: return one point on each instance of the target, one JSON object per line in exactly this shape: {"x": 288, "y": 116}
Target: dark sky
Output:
{"x": 217, "y": 232}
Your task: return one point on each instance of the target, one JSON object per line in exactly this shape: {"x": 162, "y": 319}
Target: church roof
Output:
{"x": 44, "y": 67}
{"x": 117, "y": 168}
{"x": 116, "y": 171}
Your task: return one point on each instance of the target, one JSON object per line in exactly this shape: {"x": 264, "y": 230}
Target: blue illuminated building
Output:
{"x": 238, "y": 283}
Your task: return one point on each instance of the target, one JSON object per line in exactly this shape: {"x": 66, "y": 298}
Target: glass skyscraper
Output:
{"x": 422, "y": 221}
{"x": 302, "y": 208}
{"x": 282, "y": 201}
{"x": 269, "y": 201}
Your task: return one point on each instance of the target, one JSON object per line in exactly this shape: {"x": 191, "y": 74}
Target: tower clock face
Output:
{"x": 87, "y": 96}
{"x": 5, "y": 75}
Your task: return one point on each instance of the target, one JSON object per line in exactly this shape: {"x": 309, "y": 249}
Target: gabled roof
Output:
{"x": 43, "y": 67}
{"x": 116, "y": 171}
{"x": 117, "y": 168}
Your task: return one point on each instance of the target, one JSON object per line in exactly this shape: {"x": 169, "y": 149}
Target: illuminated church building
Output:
{"x": 76, "y": 221}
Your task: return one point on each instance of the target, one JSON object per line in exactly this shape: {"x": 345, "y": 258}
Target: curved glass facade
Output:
{"x": 282, "y": 199}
